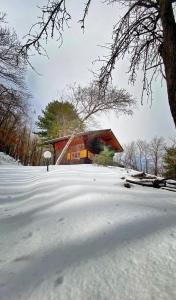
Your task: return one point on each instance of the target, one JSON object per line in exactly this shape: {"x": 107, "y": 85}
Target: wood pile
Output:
{"x": 152, "y": 181}
{"x": 170, "y": 185}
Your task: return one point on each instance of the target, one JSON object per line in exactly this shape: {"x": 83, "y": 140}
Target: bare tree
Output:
{"x": 13, "y": 94}
{"x": 173, "y": 141}
{"x": 15, "y": 136}
{"x": 13, "y": 122}
{"x": 139, "y": 145}
{"x": 12, "y": 65}
{"x": 130, "y": 157}
{"x": 12, "y": 103}
{"x": 146, "y": 32}
{"x": 52, "y": 20}
{"x": 89, "y": 101}
{"x": 156, "y": 150}
{"x": 143, "y": 155}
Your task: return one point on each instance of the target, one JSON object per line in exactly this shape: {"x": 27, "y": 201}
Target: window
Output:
{"x": 83, "y": 153}
{"x": 68, "y": 156}
{"x": 75, "y": 155}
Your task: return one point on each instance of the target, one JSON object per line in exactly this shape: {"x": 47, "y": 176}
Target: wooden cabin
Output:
{"x": 84, "y": 146}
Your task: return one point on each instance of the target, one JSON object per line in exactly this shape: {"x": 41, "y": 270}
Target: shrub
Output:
{"x": 104, "y": 158}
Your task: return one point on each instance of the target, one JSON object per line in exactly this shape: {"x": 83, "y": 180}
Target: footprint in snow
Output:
{"x": 27, "y": 236}
{"x": 2, "y": 284}
{"x": 22, "y": 258}
{"x": 60, "y": 220}
{"x": 58, "y": 281}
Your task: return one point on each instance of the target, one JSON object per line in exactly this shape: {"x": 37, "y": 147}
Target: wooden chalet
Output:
{"x": 84, "y": 146}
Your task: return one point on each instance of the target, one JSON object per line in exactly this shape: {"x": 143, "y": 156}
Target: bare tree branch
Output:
{"x": 12, "y": 66}
{"x": 146, "y": 34}
{"x": 54, "y": 16}
{"x": 90, "y": 100}
{"x": 82, "y": 21}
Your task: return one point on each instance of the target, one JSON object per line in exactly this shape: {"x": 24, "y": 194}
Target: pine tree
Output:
{"x": 58, "y": 119}
{"x": 170, "y": 163}
{"x": 104, "y": 158}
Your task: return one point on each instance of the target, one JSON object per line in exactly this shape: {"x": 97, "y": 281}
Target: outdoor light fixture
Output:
{"x": 47, "y": 155}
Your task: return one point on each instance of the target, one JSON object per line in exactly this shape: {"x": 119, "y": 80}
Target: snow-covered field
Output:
{"x": 76, "y": 233}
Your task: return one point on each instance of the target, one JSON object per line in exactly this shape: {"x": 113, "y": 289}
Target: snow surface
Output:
{"x": 76, "y": 233}
{"x": 7, "y": 160}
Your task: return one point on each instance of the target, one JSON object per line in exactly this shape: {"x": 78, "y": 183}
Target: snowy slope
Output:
{"x": 76, "y": 233}
{"x": 7, "y": 160}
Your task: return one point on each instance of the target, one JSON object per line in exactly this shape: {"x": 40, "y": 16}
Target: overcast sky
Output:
{"x": 73, "y": 62}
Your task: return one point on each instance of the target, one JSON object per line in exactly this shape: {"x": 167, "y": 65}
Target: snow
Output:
{"x": 76, "y": 232}
{"x": 171, "y": 181}
{"x": 7, "y": 160}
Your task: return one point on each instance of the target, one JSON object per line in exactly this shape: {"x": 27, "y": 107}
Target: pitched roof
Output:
{"x": 106, "y": 134}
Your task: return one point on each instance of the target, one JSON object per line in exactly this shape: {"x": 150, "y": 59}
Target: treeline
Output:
{"x": 16, "y": 138}
{"x": 155, "y": 157}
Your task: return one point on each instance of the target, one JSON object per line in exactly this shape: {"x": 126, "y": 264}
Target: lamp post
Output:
{"x": 47, "y": 155}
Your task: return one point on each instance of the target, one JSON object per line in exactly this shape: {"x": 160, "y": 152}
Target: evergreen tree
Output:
{"x": 170, "y": 163}
{"x": 104, "y": 158}
{"x": 58, "y": 119}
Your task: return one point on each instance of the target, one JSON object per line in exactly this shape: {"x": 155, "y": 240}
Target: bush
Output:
{"x": 104, "y": 158}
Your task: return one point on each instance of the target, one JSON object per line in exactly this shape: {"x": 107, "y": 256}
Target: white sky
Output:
{"x": 73, "y": 62}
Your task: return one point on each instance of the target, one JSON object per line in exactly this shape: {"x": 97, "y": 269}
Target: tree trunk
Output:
{"x": 168, "y": 51}
{"x": 146, "y": 165}
{"x": 156, "y": 165}
{"x": 65, "y": 148}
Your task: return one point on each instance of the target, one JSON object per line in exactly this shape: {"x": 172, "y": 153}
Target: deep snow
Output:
{"x": 76, "y": 233}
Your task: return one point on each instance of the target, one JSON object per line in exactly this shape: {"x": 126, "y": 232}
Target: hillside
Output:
{"x": 7, "y": 160}
{"x": 76, "y": 233}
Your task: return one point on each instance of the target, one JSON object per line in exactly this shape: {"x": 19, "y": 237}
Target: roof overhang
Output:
{"x": 105, "y": 134}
